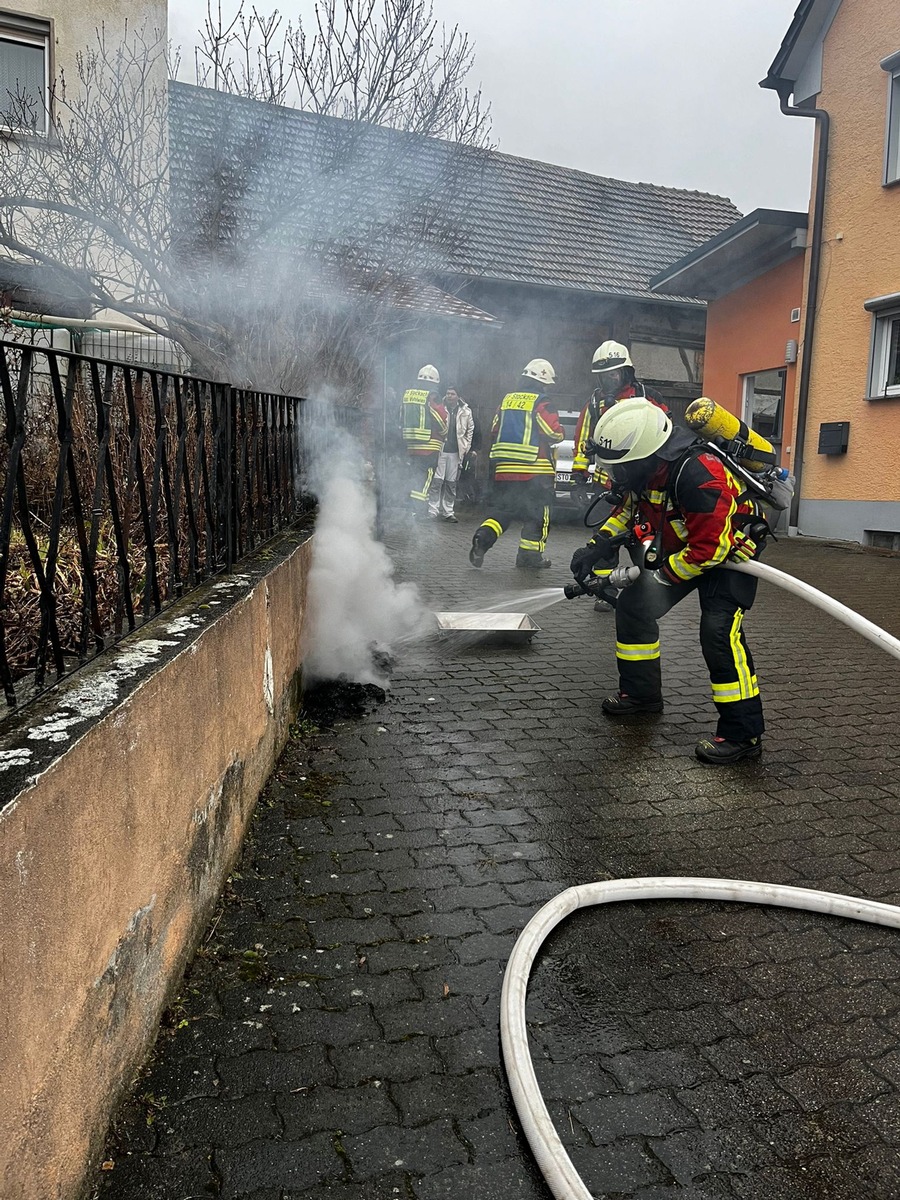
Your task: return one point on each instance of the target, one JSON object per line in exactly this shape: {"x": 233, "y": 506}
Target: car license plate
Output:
{"x": 563, "y": 477}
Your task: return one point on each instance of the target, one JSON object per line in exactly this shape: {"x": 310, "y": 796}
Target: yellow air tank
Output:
{"x": 711, "y": 420}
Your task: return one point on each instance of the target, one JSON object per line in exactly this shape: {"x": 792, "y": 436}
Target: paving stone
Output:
{"x": 222, "y": 1122}
{"x": 644, "y": 1114}
{"x": 325, "y": 1028}
{"x": 269, "y": 1071}
{"x": 337, "y": 1110}
{"x": 278, "y": 1164}
{"x": 386, "y": 1060}
{"x": 424, "y": 1149}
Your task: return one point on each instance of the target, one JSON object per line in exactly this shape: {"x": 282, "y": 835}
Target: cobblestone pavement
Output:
{"x": 338, "y": 1033}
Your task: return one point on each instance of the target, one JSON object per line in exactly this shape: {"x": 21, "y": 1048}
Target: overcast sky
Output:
{"x": 661, "y": 91}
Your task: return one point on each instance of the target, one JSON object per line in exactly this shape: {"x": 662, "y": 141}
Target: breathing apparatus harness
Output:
{"x": 767, "y": 487}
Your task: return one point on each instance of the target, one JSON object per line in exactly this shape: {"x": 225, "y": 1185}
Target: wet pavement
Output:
{"x": 337, "y": 1035}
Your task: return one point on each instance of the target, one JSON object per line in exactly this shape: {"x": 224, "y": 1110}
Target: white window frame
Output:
{"x": 29, "y": 31}
{"x": 891, "y": 65}
{"x": 883, "y": 324}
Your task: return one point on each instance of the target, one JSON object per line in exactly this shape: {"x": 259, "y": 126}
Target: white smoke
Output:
{"x": 357, "y": 613}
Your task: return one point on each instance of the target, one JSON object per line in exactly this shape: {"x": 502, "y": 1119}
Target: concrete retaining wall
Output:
{"x": 127, "y": 798}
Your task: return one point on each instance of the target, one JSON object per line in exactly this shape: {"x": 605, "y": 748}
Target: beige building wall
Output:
{"x": 76, "y": 24}
{"x": 860, "y": 260}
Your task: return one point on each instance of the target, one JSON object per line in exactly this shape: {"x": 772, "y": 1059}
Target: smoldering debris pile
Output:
{"x": 331, "y": 700}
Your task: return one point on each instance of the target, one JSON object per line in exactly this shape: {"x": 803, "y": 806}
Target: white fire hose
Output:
{"x": 840, "y": 612}
{"x": 557, "y": 1168}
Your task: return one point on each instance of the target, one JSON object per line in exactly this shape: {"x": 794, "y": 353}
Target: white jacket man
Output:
{"x": 458, "y": 443}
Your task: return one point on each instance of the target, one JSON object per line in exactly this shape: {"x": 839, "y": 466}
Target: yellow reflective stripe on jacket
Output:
{"x": 621, "y": 520}
{"x": 540, "y": 467}
{"x": 547, "y": 430}
{"x": 435, "y": 439}
{"x": 415, "y": 422}
{"x": 637, "y": 651}
{"x": 679, "y": 565}
{"x": 679, "y": 527}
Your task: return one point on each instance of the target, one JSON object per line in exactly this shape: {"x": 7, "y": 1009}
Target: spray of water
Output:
{"x": 530, "y": 602}
{"x": 357, "y": 613}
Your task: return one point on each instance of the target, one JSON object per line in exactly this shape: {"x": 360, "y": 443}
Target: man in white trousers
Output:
{"x": 460, "y": 430}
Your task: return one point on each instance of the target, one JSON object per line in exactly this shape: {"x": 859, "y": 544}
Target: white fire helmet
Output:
{"x": 609, "y": 357}
{"x": 631, "y": 430}
{"x": 429, "y": 374}
{"x": 540, "y": 370}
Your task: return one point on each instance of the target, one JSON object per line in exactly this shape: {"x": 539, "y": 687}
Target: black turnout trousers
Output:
{"x": 724, "y": 598}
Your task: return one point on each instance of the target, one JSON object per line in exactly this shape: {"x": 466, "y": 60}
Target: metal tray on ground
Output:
{"x": 509, "y": 628}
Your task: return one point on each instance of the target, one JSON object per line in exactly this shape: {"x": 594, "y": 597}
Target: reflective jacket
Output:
{"x": 595, "y": 408}
{"x": 424, "y": 423}
{"x": 524, "y": 431}
{"x": 700, "y": 506}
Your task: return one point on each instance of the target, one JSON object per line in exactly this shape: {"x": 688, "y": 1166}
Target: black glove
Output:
{"x": 587, "y": 557}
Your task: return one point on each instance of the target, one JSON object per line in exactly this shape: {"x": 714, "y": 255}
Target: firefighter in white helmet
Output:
{"x": 423, "y": 428}
{"x": 684, "y": 513}
{"x": 614, "y": 380}
{"x": 525, "y": 430}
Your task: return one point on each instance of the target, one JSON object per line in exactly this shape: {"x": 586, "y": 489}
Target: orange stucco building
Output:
{"x": 839, "y": 64}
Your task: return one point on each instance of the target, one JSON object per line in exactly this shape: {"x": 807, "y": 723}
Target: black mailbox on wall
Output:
{"x": 833, "y": 437}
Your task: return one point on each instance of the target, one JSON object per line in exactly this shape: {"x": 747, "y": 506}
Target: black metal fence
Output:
{"x": 124, "y": 488}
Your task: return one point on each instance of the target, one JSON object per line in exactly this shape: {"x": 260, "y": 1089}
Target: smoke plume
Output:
{"x": 357, "y": 613}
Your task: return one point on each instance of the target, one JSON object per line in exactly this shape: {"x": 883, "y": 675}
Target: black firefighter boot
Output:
{"x": 481, "y": 543}
{"x": 531, "y": 560}
{"x": 720, "y": 752}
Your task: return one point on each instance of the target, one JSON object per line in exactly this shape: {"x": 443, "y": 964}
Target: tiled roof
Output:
{"x": 543, "y": 224}
{"x": 516, "y": 220}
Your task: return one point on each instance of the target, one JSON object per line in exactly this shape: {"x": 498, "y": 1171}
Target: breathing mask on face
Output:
{"x": 632, "y": 476}
{"x": 610, "y": 383}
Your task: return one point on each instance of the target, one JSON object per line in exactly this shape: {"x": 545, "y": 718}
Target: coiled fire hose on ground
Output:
{"x": 554, "y": 1163}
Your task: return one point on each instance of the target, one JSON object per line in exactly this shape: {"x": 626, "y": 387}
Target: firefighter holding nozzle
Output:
{"x": 683, "y": 513}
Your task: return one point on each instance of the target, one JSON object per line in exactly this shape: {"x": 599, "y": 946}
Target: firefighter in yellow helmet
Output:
{"x": 423, "y": 429}
{"x": 525, "y": 429}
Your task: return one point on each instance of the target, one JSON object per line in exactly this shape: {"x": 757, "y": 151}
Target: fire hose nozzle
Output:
{"x": 573, "y": 590}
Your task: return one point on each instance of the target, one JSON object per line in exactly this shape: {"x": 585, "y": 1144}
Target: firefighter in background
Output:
{"x": 423, "y": 428}
{"x": 615, "y": 380}
{"x": 525, "y": 429}
{"x": 692, "y": 514}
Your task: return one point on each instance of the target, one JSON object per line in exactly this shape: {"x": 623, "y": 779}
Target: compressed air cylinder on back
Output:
{"x": 711, "y": 420}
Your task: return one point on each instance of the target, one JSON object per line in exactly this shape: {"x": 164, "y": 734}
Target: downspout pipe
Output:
{"x": 822, "y": 119}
